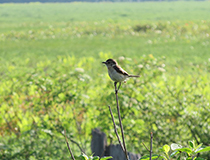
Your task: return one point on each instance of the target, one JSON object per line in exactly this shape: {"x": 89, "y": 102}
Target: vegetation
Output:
{"x": 65, "y": 1}
{"x": 52, "y": 77}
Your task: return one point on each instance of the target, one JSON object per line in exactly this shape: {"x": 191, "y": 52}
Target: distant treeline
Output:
{"x": 45, "y": 1}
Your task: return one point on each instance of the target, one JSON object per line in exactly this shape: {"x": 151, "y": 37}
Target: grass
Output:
{"x": 74, "y": 12}
{"x": 21, "y": 19}
{"x": 44, "y": 89}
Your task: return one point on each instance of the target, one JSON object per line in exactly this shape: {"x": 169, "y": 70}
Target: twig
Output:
{"x": 151, "y": 138}
{"x": 73, "y": 141}
{"x": 145, "y": 146}
{"x": 121, "y": 127}
{"x": 192, "y": 131}
{"x": 77, "y": 145}
{"x": 157, "y": 157}
{"x": 72, "y": 156}
{"x": 150, "y": 150}
{"x": 115, "y": 129}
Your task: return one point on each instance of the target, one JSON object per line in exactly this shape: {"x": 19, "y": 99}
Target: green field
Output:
{"x": 84, "y": 29}
{"x": 52, "y": 77}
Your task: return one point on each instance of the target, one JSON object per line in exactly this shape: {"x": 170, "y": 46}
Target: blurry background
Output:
{"x": 52, "y": 78}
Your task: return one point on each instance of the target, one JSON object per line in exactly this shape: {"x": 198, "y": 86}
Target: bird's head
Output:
{"x": 110, "y": 62}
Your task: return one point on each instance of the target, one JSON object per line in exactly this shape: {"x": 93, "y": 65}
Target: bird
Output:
{"x": 116, "y": 73}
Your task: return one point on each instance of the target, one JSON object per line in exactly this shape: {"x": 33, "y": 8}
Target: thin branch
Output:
{"x": 115, "y": 129}
{"x": 77, "y": 145}
{"x": 150, "y": 150}
{"x": 73, "y": 141}
{"x": 9, "y": 126}
{"x": 157, "y": 157}
{"x": 102, "y": 154}
{"x": 151, "y": 138}
{"x": 121, "y": 127}
{"x": 145, "y": 147}
{"x": 192, "y": 131}
{"x": 72, "y": 156}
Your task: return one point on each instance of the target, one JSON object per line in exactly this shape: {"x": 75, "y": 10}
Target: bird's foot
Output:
{"x": 117, "y": 89}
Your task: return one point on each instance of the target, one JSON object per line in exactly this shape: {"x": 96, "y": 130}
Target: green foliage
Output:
{"x": 52, "y": 98}
{"x": 38, "y": 32}
{"x": 154, "y": 156}
{"x": 52, "y": 77}
{"x": 85, "y": 157}
{"x": 180, "y": 152}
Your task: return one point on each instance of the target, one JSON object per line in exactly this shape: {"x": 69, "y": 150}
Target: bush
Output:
{"x": 73, "y": 94}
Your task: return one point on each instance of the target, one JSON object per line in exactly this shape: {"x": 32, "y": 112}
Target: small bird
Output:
{"x": 116, "y": 73}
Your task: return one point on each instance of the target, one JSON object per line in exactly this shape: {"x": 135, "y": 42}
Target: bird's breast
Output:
{"x": 115, "y": 76}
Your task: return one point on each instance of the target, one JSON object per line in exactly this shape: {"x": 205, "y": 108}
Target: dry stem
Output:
{"x": 120, "y": 121}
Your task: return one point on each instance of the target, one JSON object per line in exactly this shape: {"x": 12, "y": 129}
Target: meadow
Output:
{"x": 52, "y": 77}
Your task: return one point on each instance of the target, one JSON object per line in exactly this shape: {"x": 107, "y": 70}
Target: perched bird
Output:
{"x": 116, "y": 73}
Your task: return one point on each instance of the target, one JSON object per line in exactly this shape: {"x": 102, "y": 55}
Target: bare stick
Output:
{"x": 157, "y": 157}
{"x": 72, "y": 156}
{"x": 115, "y": 129}
{"x": 145, "y": 146}
{"x": 150, "y": 150}
{"x": 121, "y": 127}
{"x": 73, "y": 141}
{"x": 77, "y": 145}
{"x": 151, "y": 138}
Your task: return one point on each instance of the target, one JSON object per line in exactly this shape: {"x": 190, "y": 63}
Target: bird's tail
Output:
{"x": 133, "y": 76}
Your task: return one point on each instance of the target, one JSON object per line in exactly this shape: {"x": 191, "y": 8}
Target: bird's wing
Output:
{"x": 120, "y": 70}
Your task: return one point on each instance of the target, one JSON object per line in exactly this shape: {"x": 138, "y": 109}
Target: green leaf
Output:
{"x": 203, "y": 150}
{"x": 199, "y": 158}
{"x": 83, "y": 157}
{"x": 179, "y": 158}
{"x": 144, "y": 157}
{"x": 174, "y": 153}
{"x": 62, "y": 96}
{"x": 198, "y": 147}
{"x": 96, "y": 158}
{"x": 162, "y": 157}
{"x": 175, "y": 146}
{"x": 187, "y": 150}
{"x": 191, "y": 144}
{"x": 154, "y": 156}
{"x": 104, "y": 158}
{"x": 166, "y": 148}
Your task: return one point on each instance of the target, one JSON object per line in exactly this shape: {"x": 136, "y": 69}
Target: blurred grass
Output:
{"x": 43, "y": 86}
{"x": 43, "y": 31}
{"x": 146, "y": 11}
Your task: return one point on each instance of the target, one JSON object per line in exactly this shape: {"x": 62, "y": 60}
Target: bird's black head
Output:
{"x": 110, "y": 62}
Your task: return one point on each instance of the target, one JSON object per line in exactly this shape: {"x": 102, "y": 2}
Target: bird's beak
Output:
{"x": 104, "y": 62}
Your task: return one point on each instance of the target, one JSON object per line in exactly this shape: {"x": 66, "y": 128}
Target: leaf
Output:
{"x": 204, "y": 150}
{"x": 175, "y": 146}
{"x": 179, "y": 158}
{"x": 174, "y": 153}
{"x": 96, "y": 158}
{"x": 187, "y": 150}
{"x": 62, "y": 96}
{"x": 104, "y": 158}
{"x": 144, "y": 157}
{"x": 199, "y": 158}
{"x": 154, "y": 156}
{"x": 198, "y": 147}
{"x": 166, "y": 148}
{"x": 83, "y": 157}
{"x": 191, "y": 144}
